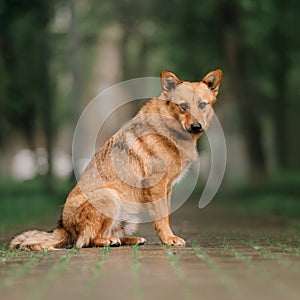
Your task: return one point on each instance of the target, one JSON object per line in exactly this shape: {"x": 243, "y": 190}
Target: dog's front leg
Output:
{"x": 165, "y": 233}
{"x": 160, "y": 211}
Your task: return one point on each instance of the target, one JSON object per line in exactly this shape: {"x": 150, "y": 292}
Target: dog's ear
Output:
{"x": 169, "y": 80}
{"x": 213, "y": 80}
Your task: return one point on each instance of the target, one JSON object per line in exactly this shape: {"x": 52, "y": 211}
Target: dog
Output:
{"x": 135, "y": 170}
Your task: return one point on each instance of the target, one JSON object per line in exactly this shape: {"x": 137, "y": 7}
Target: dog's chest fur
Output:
{"x": 182, "y": 175}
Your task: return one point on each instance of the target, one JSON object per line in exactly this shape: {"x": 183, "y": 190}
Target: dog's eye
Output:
{"x": 202, "y": 105}
{"x": 184, "y": 106}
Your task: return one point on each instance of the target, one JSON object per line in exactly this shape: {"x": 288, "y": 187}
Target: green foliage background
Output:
{"x": 255, "y": 42}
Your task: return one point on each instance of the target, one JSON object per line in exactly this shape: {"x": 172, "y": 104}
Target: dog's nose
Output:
{"x": 196, "y": 128}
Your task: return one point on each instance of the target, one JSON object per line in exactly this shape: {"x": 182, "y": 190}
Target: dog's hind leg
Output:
{"x": 132, "y": 240}
{"x": 101, "y": 242}
{"x": 90, "y": 238}
{"x": 96, "y": 219}
{"x": 104, "y": 237}
{"x": 124, "y": 229}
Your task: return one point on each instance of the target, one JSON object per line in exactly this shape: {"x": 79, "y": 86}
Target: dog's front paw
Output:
{"x": 174, "y": 241}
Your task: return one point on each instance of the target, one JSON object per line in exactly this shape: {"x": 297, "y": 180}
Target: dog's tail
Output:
{"x": 41, "y": 240}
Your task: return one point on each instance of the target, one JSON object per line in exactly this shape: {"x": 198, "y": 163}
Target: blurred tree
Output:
{"x": 232, "y": 35}
{"x": 284, "y": 41}
{"x": 25, "y": 53}
{"x": 255, "y": 42}
{"x": 210, "y": 35}
{"x": 44, "y": 16}
{"x": 75, "y": 63}
{"x": 133, "y": 16}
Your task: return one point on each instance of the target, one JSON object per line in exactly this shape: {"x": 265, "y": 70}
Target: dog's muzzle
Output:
{"x": 196, "y": 128}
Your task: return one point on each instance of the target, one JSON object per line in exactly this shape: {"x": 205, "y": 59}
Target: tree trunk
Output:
{"x": 76, "y": 90}
{"x": 245, "y": 99}
{"x": 280, "y": 114}
{"x": 45, "y": 85}
{"x": 75, "y": 63}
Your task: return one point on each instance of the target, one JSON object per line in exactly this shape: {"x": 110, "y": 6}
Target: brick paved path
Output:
{"x": 227, "y": 257}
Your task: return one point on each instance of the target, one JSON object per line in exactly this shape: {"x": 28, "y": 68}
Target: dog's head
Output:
{"x": 192, "y": 101}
